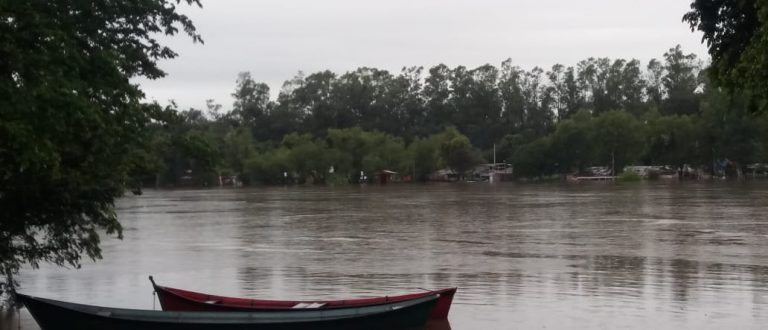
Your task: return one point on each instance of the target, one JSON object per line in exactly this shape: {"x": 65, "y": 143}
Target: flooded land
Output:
{"x": 524, "y": 256}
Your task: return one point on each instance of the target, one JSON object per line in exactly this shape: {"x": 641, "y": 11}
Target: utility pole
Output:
{"x": 493, "y": 166}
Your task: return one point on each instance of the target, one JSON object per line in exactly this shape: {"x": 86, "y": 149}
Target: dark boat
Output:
{"x": 172, "y": 299}
{"x": 59, "y": 315}
{"x": 438, "y": 325}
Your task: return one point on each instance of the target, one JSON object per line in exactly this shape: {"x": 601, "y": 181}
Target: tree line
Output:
{"x": 328, "y": 127}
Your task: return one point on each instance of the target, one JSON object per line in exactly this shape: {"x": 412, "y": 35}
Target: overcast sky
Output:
{"x": 274, "y": 39}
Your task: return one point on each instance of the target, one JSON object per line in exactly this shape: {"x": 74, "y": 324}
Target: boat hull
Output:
{"x": 172, "y": 299}
{"x": 57, "y": 315}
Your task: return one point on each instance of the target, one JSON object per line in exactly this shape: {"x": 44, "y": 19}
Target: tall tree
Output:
{"x": 680, "y": 82}
{"x": 353, "y": 145}
{"x": 618, "y": 139}
{"x": 534, "y": 159}
{"x": 237, "y": 149}
{"x": 538, "y": 114}
{"x": 593, "y": 79}
{"x": 311, "y": 98}
{"x": 633, "y": 88}
{"x": 478, "y": 105}
{"x": 730, "y": 126}
{"x": 572, "y": 146}
{"x": 69, "y": 117}
{"x": 425, "y": 156}
{"x": 359, "y": 97}
{"x": 406, "y": 104}
{"x": 673, "y": 140}
{"x": 309, "y": 157}
{"x": 565, "y": 91}
{"x": 457, "y": 152}
{"x": 614, "y": 85}
{"x": 252, "y": 105}
{"x": 512, "y": 102}
{"x": 655, "y": 87}
{"x": 437, "y": 92}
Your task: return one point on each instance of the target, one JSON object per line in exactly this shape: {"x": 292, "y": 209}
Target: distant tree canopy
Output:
{"x": 736, "y": 32}
{"x": 328, "y": 127}
{"x": 72, "y": 128}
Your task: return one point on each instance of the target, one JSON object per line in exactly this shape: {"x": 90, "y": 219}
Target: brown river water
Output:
{"x": 524, "y": 256}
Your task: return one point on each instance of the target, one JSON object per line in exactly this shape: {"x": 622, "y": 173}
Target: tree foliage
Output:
{"x": 71, "y": 120}
{"x": 618, "y": 139}
{"x": 457, "y": 152}
{"x": 736, "y": 33}
{"x": 573, "y": 143}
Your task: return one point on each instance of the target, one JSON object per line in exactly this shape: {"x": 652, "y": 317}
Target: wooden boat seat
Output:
{"x": 308, "y": 305}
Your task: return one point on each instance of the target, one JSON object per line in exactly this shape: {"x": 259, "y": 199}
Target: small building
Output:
{"x": 596, "y": 171}
{"x": 757, "y": 170}
{"x": 500, "y": 172}
{"x": 387, "y": 176}
{"x": 444, "y": 175}
{"x": 230, "y": 180}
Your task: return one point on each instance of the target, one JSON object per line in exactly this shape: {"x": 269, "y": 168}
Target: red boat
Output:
{"x": 182, "y": 300}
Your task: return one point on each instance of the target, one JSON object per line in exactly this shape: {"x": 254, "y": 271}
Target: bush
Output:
{"x": 629, "y": 176}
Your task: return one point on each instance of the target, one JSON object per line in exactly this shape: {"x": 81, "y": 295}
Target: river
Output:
{"x": 524, "y": 256}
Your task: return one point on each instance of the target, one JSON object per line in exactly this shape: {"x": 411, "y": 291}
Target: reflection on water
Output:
{"x": 595, "y": 256}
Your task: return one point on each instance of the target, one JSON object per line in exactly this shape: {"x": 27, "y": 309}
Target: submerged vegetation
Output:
{"x": 327, "y": 127}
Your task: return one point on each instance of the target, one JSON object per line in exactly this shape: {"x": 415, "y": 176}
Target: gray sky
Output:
{"x": 274, "y": 39}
